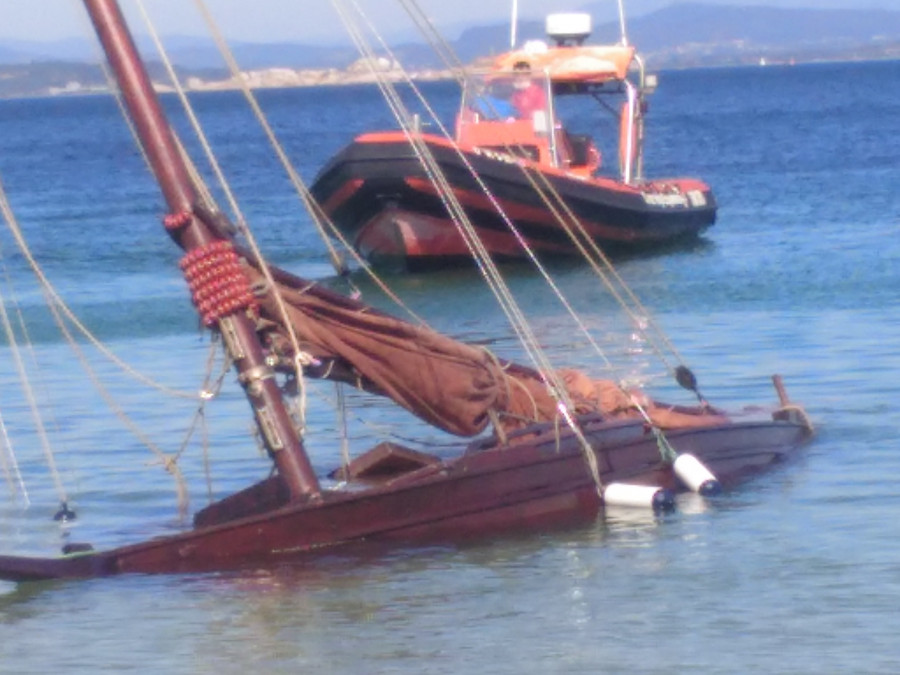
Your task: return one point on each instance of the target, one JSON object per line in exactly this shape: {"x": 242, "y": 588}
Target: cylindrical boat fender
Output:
{"x": 696, "y": 476}
{"x": 643, "y": 496}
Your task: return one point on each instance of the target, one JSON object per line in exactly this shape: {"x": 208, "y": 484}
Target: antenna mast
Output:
{"x": 621, "y": 4}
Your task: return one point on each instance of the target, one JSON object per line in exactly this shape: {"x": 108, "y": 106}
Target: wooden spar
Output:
{"x": 274, "y": 422}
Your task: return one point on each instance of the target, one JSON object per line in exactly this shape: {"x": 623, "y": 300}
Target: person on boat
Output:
{"x": 494, "y": 102}
{"x": 529, "y": 96}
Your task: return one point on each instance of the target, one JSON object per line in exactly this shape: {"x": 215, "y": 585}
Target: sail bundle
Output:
{"x": 446, "y": 383}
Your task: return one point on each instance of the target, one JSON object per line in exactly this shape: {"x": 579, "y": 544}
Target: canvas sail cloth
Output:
{"x": 446, "y": 383}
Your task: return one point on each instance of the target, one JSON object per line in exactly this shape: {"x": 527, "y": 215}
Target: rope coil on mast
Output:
{"x": 218, "y": 286}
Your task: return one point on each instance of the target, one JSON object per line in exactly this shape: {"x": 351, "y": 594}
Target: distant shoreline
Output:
{"x": 288, "y": 78}
{"x": 677, "y": 35}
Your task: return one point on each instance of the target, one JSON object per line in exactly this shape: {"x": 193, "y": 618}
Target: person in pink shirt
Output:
{"x": 529, "y": 96}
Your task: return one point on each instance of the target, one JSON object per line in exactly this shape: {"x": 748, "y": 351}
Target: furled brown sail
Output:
{"x": 446, "y": 383}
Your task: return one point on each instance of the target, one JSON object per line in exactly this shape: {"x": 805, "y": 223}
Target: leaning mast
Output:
{"x": 230, "y": 317}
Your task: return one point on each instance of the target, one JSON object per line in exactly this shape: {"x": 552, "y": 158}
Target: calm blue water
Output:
{"x": 796, "y": 573}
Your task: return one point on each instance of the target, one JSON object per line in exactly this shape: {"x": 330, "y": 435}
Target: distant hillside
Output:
{"x": 673, "y": 36}
{"x": 56, "y": 77}
{"x": 669, "y": 36}
{"x": 687, "y": 34}
{"x": 684, "y": 34}
{"x": 771, "y": 27}
{"x": 22, "y": 79}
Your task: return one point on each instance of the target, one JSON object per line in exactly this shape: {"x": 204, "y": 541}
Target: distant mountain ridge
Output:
{"x": 763, "y": 26}
{"x": 666, "y": 35}
{"x": 671, "y": 35}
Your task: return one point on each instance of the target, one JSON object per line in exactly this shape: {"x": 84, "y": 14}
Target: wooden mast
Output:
{"x": 257, "y": 377}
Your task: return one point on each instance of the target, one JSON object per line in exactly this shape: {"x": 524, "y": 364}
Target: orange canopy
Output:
{"x": 573, "y": 64}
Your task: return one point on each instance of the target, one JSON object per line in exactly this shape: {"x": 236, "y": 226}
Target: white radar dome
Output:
{"x": 569, "y": 28}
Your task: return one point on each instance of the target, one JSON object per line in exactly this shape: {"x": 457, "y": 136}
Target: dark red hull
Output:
{"x": 537, "y": 483}
{"x": 379, "y": 196}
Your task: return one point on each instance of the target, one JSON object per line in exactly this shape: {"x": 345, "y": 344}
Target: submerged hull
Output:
{"x": 539, "y": 480}
{"x": 380, "y": 198}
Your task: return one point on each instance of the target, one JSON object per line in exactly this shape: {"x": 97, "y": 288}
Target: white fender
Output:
{"x": 696, "y": 476}
{"x": 642, "y": 496}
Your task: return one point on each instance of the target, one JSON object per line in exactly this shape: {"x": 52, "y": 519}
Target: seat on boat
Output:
{"x": 579, "y": 146}
{"x": 580, "y": 151}
{"x": 383, "y": 462}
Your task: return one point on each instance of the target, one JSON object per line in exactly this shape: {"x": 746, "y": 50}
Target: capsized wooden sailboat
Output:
{"x": 545, "y": 447}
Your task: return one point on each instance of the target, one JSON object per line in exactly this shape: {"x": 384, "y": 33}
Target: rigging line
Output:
{"x": 508, "y": 304}
{"x": 200, "y": 184}
{"x": 31, "y": 399}
{"x": 55, "y": 307}
{"x": 207, "y": 464}
{"x": 11, "y": 465}
{"x": 545, "y": 192}
{"x": 508, "y": 222}
{"x": 496, "y": 284}
{"x": 118, "y": 411}
{"x": 211, "y": 392}
{"x": 26, "y": 338}
{"x": 23, "y": 374}
{"x": 451, "y": 60}
{"x": 199, "y": 420}
{"x": 300, "y": 187}
{"x": 204, "y": 195}
{"x": 620, "y": 290}
{"x": 294, "y": 177}
{"x": 401, "y": 116}
{"x": 382, "y": 430}
{"x": 502, "y": 292}
{"x": 54, "y": 300}
{"x": 300, "y": 356}
{"x": 208, "y": 393}
{"x": 320, "y": 218}
{"x": 422, "y": 152}
{"x": 437, "y": 42}
{"x": 665, "y": 449}
{"x": 342, "y": 428}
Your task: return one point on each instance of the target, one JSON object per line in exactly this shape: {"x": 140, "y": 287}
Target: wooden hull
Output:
{"x": 379, "y": 196}
{"x": 537, "y": 482}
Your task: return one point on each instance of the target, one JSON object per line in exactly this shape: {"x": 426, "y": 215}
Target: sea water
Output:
{"x": 795, "y": 572}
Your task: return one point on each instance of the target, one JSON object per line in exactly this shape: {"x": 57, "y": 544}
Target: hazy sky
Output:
{"x": 314, "y": 20}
